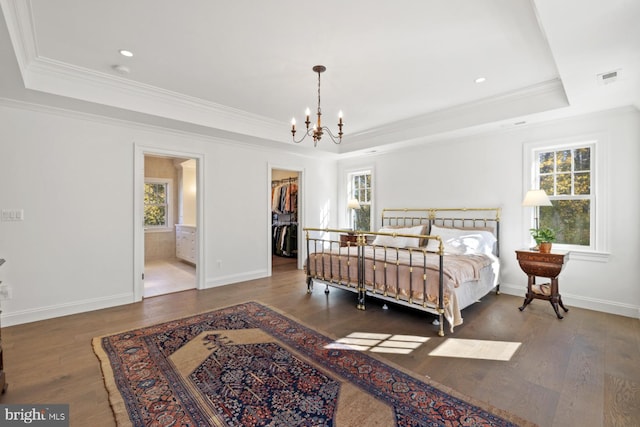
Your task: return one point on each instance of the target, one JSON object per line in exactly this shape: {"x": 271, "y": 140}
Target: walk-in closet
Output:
{"x": 284, "y": 218}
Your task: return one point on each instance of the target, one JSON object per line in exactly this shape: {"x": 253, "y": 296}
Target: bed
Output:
{"x": 436, "y": 260}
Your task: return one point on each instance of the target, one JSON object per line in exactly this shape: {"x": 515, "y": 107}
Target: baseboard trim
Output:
{"x": 235, "y": 278}
{"x": 59, "y": 310}
{"x": 606, "y": 306}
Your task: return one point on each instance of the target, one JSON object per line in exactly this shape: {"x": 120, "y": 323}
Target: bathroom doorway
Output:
{"x": 170, "y": 224}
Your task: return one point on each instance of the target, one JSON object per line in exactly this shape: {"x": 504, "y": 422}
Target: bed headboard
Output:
{"x": 479, "y": 218}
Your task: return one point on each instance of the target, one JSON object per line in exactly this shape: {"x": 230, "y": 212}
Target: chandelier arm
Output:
{"x": 308, "y": 132}
{"x": 335, "y": 139}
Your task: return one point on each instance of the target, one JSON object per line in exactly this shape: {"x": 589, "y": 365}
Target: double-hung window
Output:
{"x": 157, "y": 204}
{"x": 567, "y": 174}
{"x": 360, "y": 188}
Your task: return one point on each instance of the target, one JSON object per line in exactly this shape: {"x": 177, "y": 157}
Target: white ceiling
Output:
{"x": 400, "y": 71}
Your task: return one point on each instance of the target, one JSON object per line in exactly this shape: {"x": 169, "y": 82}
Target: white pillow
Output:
{"x": 433, "y": 245}
{"x": 480, "y": 242}
{"x": 399, "y": 242}
{"x": 459, "y": 241}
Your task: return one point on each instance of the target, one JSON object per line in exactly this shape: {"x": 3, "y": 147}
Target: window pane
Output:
{"x": 582, "y": 159}
{"x": 563, "y": 161}
{"x": 582, "y": 183}
{"x": 155, "y": 193}
{"x": 563, "y": 184}
{"x": 154, "y": 215}
{"x": 570, "y": 219}
{"x": 546, "y": 184}
{"x": 363, "y": 218}
{"x": 155, "y": 204}
{"x": 546, "y": 162}
{"x": 361, "y": 187}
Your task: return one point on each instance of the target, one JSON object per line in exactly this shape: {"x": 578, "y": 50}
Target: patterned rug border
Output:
{"x": 118, "y": 405}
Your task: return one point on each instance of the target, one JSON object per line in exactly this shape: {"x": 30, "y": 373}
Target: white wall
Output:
{"x": 74, "y": 250}
{"x": 486, "y": 171}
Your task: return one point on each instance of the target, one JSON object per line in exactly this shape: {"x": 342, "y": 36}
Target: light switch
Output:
{"x": 12, "y": 214}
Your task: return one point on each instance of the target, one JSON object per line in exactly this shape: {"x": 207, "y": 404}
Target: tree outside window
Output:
{"x": 566, "y": 175}
{"x": 360, "y": 189}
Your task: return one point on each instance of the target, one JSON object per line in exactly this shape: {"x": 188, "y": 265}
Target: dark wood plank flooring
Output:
{"x": 580, "y": 371}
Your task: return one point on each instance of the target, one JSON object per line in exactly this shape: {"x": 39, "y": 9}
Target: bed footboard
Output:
{"x": 411, "y": 277}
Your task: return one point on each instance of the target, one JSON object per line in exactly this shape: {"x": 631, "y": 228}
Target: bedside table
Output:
{"x": 537, "y": 264}
{"x": 348, "y": 238}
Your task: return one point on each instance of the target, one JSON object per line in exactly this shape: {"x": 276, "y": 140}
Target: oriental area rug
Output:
{"x": 250, "y": 365}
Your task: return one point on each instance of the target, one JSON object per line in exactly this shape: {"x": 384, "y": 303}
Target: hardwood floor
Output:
{"x": 580, "y": 371}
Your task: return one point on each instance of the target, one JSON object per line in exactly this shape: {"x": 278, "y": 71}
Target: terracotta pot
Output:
{"x": 545, "y": 247}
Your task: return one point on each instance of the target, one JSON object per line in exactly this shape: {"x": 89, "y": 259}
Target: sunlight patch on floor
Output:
{"x": 379, "y": 343}
{"x": 476, "y": 349}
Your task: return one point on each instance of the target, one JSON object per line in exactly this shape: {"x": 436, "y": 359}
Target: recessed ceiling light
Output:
{"x": 126, "y": 53}
{"x": 480, "y": 79}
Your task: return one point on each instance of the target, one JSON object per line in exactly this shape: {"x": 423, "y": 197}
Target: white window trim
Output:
{"x": 347, "y": 194}
{"x": 169, "y": 227}
{"x": 599, "y": 250}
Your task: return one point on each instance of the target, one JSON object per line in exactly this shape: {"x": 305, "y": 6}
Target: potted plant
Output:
{"x": 544, "y": 237}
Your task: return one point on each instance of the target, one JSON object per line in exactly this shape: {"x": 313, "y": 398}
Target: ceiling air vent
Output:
{"x": 608, "y": 77}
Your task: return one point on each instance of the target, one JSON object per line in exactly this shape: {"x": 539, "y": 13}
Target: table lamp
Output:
{"x": 535, "y": 199}
{"x": 353, "y": 205}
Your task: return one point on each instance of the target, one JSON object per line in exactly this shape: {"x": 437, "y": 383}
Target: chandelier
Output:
{"x": 317, "y": 130}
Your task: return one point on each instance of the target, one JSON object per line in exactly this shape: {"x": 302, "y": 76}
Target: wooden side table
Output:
{"x": 536, "y": 264}
{"x": 348, "y": 238}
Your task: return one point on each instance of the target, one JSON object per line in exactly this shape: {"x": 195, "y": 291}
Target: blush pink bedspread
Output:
{"x": 402, "y": 274}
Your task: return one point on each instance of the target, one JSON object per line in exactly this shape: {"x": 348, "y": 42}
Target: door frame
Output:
{"x": 138, "y": 214}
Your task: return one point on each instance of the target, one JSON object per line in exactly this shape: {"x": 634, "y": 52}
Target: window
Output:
{"x": 361, "y": 190}
{"x": 157, "y": 208}
{"x": 567, "y": 175}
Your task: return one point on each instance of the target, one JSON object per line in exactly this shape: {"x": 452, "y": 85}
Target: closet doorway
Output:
{"x": 170, "y": 224}
{"x": 285, "y": 233}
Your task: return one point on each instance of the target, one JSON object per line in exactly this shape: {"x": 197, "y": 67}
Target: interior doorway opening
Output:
{"x": 170, "y": 224}
{"x": 285, "y": 214}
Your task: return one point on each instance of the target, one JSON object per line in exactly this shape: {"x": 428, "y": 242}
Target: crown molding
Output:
{"x": 19, "y": 18}
{"x": 191, "y": 132}
{"x": 542, "y": 97}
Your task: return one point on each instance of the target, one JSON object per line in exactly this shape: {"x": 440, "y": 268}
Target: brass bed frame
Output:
{"x": 322, "y": 243}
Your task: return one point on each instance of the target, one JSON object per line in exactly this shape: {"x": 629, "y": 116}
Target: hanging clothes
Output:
{"x": 284, "y": 198}
{"x": 285, "y": 240}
